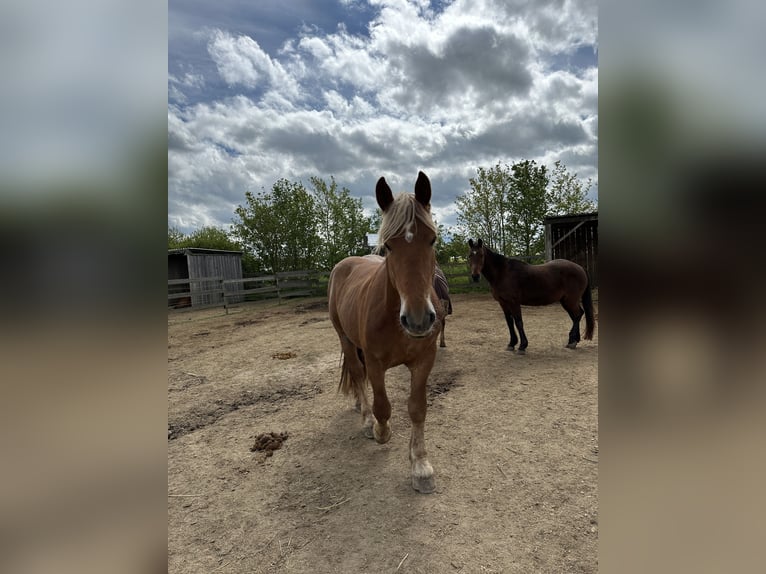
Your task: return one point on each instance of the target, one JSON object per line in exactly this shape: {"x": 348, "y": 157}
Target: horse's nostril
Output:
{"x": 403, "y": 319}
{"x": 432, "y": 317}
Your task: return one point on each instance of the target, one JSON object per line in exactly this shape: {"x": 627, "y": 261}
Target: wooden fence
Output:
{"x": 218, "y": 292}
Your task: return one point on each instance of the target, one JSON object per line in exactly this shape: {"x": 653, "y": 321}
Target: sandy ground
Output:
{"x": 512, "y": 439}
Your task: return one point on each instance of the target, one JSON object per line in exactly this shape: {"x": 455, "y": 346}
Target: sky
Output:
{"x": 356, "y": 90}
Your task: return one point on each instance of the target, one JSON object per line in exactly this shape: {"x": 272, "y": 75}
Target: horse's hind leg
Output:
{"x": 515, "y": 313}
{"x": 445, "y": 309}
{"x": 353, "y": 381}
{"x": 511, "y": 330}
{"x": 381, "y": 407}
{"x": 441, "y": 340}
{"x": 575, "y": 312}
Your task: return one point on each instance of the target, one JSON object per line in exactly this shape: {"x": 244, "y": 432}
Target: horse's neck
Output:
{"x": 493, "y": 265}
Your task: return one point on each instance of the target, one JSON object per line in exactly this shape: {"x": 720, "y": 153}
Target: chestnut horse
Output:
{"x": 384, "y": 310}
{"x": 442, "y": 291}
{"x": 515, "y": 283}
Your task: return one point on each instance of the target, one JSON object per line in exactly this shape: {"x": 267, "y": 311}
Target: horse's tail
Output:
{"x": 346, "y": 385}
{"x": 587, "y": 303}
{"x": 350, "y": 384}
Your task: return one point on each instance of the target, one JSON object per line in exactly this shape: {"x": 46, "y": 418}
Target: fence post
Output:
{"x": 225, "y": 300}
{"x": 314, "y": 278}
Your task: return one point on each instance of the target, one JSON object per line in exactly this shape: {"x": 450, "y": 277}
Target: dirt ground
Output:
{"x": 512, "y": 439}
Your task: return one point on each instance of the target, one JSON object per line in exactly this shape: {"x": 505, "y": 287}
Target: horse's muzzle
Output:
{"x": 418, "y": 328}
{"x": 475, "y": 278}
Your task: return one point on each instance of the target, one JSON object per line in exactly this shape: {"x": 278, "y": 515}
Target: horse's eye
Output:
{"x": 433, "y": 241}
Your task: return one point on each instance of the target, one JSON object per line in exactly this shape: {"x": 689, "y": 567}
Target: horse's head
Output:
{"x": 408, "y": 234}
{"x": 475, "y": 258}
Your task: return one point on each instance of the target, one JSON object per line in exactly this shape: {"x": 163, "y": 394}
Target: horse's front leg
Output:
{"x": 381, "y": 407}
{"x": 422, "y": 471}
{"x": 511, "y": 330}
{"x": 516, "y": 313}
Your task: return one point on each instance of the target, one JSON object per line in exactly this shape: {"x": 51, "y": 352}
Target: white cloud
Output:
{"x": 177, "y": 86}
{"x": 240, "y": 60}
{"x": 344, "y": 59}
{"x": 445, "y": 92}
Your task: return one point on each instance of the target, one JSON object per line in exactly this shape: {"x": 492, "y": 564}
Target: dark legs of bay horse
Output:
{"x": 511, "y": 330}
{"x": 514, "y": 317}
{"x": 575, "y": 312}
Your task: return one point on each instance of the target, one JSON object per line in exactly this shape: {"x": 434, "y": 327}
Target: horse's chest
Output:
{"x": 504, "y": 294}
{"x": 397, "y": 349}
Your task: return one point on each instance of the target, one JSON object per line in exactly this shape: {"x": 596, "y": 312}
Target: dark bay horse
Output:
{"x": 515, "y": 283}
{"x": 442, "y": 291}
{"x": 384, "y": 310}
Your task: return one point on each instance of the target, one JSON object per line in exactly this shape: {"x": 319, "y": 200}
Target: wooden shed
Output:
{"x": 212, "y": 265}
{"x": 574, "y": 237}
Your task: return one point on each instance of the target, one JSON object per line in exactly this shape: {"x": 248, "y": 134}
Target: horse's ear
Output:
{"x": 383, "y": 194}
{"x": 470, "y": 243}
{"x": 479, "y": 244}
{"x": 423, "y": 189}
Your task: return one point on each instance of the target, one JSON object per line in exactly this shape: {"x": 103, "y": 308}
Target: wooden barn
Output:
{"x": 574, "y": 237}
{"x": 195, "y": 264}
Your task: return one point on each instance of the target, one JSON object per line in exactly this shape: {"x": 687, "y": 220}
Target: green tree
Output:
{"x": 279, "y": 227}
{"x": 341, "y": 223}
{"x": 527, "y": 208}
{"x": 440, "y": 240}
{"x": 568, "y": 194}
{"x": 175, "y": 237}
{"x": 484, "y": 210}
{"x": 376, "y": 219}
{"x": 211, "y": 237}
{"x": 451, "y": 246}
{"x": 506, "y": 205}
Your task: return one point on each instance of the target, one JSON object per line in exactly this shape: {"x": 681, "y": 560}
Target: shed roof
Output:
{"x": 571, "y": 217}
{"x": 201, "y": 251}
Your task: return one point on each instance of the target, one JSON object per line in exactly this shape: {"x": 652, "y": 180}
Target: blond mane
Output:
{"x": 401, "y": 218}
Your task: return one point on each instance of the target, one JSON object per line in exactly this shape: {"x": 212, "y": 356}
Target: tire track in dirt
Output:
{"x": 199, "y": 419}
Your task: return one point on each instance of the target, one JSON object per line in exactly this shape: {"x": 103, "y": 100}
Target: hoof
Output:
{"x": 381, "y": 434}
{"x": 424, "y": 484}
{"x": 571, "y": 345}
{"x": 442, "y": 345}
{"x": 522, "y": 351}
{"x": 511, "y": 348}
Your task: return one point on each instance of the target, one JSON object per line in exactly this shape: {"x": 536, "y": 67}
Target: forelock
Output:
{"x": 401, "y": 218}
